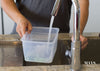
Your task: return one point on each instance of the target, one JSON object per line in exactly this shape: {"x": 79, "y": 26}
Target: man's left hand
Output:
{"x": 84, "y": 41}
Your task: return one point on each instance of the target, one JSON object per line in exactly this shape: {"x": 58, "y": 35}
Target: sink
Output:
{"x": 11, "y": 52}
{"x": 91, "y": 54}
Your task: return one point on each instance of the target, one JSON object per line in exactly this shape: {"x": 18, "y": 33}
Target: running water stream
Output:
{"x": 50, "y": 28}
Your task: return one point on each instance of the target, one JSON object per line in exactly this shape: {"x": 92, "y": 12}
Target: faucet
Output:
{"x": 56, "y": 7}
{"x": 75, "y": 45}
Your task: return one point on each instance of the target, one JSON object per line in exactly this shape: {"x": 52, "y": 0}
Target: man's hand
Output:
{"x": 84, "y": 41}
{"x": 23, "y": 26}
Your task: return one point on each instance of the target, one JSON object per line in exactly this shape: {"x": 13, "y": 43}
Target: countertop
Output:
{"x": 15, "y": 39}
{"x": 62, "y": 36}
{"x": 95, "y": 67}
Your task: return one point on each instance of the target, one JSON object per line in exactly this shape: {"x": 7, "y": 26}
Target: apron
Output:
{"x": 38, "y": 12}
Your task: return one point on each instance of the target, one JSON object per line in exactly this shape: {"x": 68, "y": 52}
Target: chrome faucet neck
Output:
{"x": 76, "y": 24}
{"x": 75, "y": 45}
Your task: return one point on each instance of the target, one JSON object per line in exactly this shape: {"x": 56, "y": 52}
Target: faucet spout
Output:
{"x": 76, "y": 24}
{"x": 75, "y": 45}
{"x": 56, "y": 7}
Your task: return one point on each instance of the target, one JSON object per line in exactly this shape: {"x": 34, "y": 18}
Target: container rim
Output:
{"x": 40, "y": 41}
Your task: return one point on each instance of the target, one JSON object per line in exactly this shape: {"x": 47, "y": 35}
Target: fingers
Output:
{"x": 23, "y": 30}
{"x": 84, "y": 42}
{"x": 23, "y": 27}
{"x": 84, "y": 46}
{"x": 72, "y": 38}
{"x": 19, "y": 32}
{"x": 29, "y": 28}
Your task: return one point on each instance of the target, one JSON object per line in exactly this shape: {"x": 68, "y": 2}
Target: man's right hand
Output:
{"x": 23, "y": 26}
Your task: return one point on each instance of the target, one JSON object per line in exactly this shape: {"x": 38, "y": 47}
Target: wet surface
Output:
{"x": 11, "y": 55}
{"x": 89, "y": 55}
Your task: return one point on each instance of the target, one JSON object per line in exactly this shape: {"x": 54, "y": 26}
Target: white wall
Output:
{"x": 93, "y": 24}
{"x": 8, "y": 24}
{"x": 0, "y": 23}
{"x": 94, "y": 17}
{"x": 0, "y": 19}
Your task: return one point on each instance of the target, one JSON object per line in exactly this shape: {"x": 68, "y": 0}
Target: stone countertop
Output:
{"x": 95, "y": 67}
{"x": 63, "y": 36}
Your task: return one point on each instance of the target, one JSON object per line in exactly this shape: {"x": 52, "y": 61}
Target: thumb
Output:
{"x": 29, "y": 28}
{"x": 72, "y": 38}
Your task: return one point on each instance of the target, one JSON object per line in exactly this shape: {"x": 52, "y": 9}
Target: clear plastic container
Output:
{"x": 36, "y": 47}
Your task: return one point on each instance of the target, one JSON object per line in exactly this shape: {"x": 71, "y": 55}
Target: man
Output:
{"x": 30, "y": 13}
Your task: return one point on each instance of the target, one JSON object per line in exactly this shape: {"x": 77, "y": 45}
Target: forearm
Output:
{"x": 84, "y": 11}
{"x": 11, "y": 9}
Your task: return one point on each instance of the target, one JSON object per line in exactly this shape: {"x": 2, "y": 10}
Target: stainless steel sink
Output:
{"x": 11, "y": 52}
{"x": 91, "y": 54}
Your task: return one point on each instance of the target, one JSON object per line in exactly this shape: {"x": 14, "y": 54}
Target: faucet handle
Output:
{"x": 68, "y": 53}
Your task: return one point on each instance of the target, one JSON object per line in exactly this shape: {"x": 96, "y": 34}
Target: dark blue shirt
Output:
{"x": 38, "y": 12}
